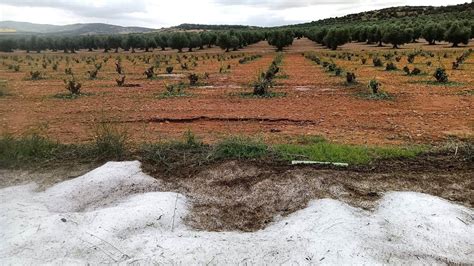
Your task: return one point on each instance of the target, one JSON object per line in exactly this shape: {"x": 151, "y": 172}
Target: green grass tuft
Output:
{"x": 28, "y": 149}
{"x": 325, "y": 151}
{"x": 240, "y": 148}
{"x": 267, "y": 95}
{"x": 381, "y": 95}
{"x": 110, "y": 142}
{"x": 70, "y": 96}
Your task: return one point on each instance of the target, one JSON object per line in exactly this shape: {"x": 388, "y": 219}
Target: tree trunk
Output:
{"x": 455, "y": 44}
{"x": 116, "y": 50}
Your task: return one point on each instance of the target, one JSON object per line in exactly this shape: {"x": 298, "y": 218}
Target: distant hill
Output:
{"x": 73, "y": 29}
{"x": 188, "y": 26}
{"x": 461, "y": 11}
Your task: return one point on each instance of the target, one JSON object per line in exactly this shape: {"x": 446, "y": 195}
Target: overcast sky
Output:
{"x": 165, "y": 13}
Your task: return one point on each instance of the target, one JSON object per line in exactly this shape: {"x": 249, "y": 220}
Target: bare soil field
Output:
{"x": 312, "y": 101}
{"x": 186, "y": 193}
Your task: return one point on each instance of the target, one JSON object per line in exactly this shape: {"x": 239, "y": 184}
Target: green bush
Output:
{"x": 374, "y": 86}
{"x": 440, "y": 75}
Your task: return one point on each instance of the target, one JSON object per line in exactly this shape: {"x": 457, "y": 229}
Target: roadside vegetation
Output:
{"x": 112, "y": 143}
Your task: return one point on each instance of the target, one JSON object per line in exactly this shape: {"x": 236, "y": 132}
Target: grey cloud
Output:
{"x": 267, "y": 21}
{"x": 106, "y": 9}
{"x": 283, "y": 4}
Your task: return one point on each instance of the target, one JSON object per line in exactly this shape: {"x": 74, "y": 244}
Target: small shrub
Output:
{"x": 193, "y": 79}
{"x": 440, "y": 75}
{"x": 120, "y": 81}
{"x": 118, "y": 67}
{"x": 73, "y": 86}
{"x": 406, "y": 70}
{"x": 374, "y": 86}
{"x": 169, "y": 69}
{"x": 377, "y": 62}
{"x": 261, "y": 86}
{"x": 35, "y": 75}
{"x": 150, "y": 72}
{"x": 363, "y": 60}
{"x": 350, "y": 77}
{"x": 415, "y": 71}
{"x": 455, "y": 65}
{"x": 390, "y": 66}
{"x": 93, "y": 73}
{"x": 174, "y": 90}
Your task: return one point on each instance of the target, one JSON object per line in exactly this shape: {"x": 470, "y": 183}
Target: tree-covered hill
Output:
{"x": 14, "y": 27}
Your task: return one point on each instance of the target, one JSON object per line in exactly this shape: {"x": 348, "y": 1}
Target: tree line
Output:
{"x": 396, "y": 33}
{"x": 228, "y": 40}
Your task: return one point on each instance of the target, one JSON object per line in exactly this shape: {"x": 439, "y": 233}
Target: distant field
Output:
{"x": 306, "y": 98}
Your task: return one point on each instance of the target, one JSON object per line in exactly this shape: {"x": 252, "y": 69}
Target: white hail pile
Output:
{"x": 107, "y": 216}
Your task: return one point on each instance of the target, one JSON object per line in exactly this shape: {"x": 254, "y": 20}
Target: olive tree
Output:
{"x": 281, "y": 38}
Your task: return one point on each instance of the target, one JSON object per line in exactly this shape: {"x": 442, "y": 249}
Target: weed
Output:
{"x": 325, "y": 151}
{"x": 110, "y": 142}
{"x": 240, "y": 148}
{"x": 3, "y": 88}
{"x": 24, "y": 150}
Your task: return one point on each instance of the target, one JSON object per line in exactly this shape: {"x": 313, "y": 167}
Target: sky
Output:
{"x": 166, "y": 13}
